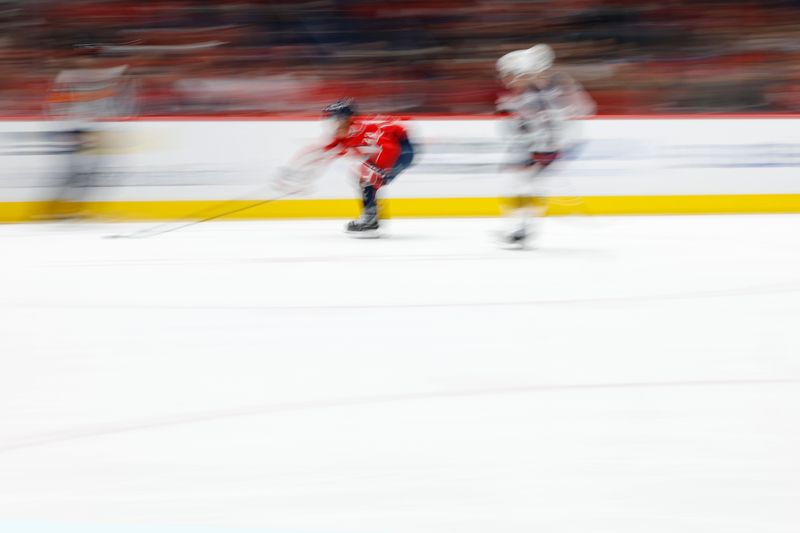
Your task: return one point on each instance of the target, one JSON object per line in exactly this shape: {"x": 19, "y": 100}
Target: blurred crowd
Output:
{"x": 422, "y": 56}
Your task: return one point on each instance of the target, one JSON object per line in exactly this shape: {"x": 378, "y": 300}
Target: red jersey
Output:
{"x": 382, "y": 141}
{"x": 380, "y": 135}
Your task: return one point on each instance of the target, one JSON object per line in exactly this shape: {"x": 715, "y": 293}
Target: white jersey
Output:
{"x": 540, "y": 116}
{"x": 84, "y": 95}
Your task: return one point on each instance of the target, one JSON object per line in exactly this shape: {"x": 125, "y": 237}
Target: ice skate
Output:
{"x": 519, "y": 239}
{"x": 366, "y": 226}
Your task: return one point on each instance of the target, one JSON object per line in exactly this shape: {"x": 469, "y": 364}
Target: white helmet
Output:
{"x": 513, "y": 63}
{"x": 539, "y": 58}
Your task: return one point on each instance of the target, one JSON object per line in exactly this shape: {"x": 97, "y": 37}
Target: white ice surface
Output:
{"x": 630, "y": 375}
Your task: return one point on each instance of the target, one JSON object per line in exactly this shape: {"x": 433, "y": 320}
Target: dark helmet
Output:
{"x": 340, "y": 109}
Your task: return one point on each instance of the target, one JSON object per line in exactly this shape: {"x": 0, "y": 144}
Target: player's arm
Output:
{"x": 377, "y": 167}
{"x": 304, "y": 168}
{"x": 313, "y": 155}
{"x": 575, "y": 101}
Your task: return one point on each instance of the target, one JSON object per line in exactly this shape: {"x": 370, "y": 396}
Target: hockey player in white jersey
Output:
{"x": 540, "y": 107}
{"x": 80, "y": 98}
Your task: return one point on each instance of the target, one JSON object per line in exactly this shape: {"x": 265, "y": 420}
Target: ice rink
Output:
{"x": 629, "y": 375}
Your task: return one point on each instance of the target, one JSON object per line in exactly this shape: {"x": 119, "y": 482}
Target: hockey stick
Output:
{"x": 169, "y": 227}
{"x": 308, "y": 171}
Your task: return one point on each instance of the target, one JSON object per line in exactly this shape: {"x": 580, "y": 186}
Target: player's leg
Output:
{"x": 527, "y": 202}
{"x": 370, "y": 180}
{"x": 375, "y": 173}
{"x": 65, "y": 203}
{"x": 520, "y": 206}
{"x": 368, "y": 221}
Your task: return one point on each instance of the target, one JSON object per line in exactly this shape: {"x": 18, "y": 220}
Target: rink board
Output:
{"x": 163, "y": 169}
{"x": 417, "y": 207}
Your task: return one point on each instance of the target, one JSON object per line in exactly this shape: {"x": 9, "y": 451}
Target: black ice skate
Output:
{"x": 364, "y": 226}
{"x": 515, "y": 240}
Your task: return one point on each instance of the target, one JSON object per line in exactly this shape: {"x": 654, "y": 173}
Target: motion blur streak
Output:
{"x": 412, "y": 55}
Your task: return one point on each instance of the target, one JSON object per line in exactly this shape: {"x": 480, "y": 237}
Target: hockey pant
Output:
{"x": 382, "y": 170}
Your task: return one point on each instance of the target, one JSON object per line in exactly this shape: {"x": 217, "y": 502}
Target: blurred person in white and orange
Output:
{"x": 81, "y": 97}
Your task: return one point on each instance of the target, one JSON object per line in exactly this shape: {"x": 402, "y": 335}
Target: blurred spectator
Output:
{"x": 437, "y": 56}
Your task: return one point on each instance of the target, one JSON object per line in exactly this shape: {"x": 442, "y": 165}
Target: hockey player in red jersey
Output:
{"x": 385, "y": 150}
